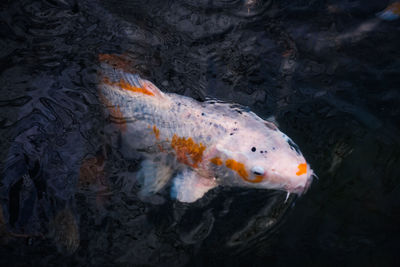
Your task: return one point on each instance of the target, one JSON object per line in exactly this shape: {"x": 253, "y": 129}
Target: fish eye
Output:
{"x": 257, "y": 170}
{"x": 253, "y": 149}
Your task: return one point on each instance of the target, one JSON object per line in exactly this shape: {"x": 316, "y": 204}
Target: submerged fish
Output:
{"x": 199, "y": 145}
{"x": 392, "y": 12}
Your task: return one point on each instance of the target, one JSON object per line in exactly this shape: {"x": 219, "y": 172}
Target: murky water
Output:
{"x": 328, "y": 71}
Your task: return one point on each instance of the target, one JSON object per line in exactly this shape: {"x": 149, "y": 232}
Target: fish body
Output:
{"x": 199, "y": 144}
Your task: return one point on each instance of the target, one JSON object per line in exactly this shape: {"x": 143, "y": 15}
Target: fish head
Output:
{"x": 259, "y": 155}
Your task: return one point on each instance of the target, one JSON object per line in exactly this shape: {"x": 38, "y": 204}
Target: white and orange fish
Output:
{"x": 199, "y": 144}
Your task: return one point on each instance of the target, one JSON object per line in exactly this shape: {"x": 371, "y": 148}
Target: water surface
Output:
{"x": 326, "y": 71}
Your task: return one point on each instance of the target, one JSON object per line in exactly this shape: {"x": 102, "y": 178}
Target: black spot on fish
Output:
{"x": 273, "y": 148}
{"x": 238, "y": 111}
{"x": 203, "y": 114}
{"x": 231, "y": 134}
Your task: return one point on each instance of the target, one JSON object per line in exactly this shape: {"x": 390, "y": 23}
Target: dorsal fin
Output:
{"x": 118, "y": 70}
{"x": 149, "y": 86}
{"x": 133, "y": 83}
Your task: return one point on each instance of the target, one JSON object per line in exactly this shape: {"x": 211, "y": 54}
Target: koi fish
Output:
{"x": 197, "y": 145}
{"x": 392, "y": 12}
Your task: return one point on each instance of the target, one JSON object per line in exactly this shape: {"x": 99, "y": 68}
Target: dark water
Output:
{"x": 328, "y": 71}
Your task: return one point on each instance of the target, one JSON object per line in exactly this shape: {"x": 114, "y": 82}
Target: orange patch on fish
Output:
{"x": 241, "y": 170}
{"x": 302, "y": 169}
{"x": 156, "y": 132}
{"x": 258, "y": 179}
{"x": 237, "y": 167}
{"x": 127, "y": 86}
{"x": 187, "y": 151}
{"x": 118, "y": 61}
{"x": 217, "y": 161}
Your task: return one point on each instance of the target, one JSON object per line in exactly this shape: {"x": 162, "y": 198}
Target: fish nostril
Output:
{"x": 257, "y": 170}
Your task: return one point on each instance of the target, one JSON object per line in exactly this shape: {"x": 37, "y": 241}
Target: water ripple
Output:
{"x": 326, "y": 72}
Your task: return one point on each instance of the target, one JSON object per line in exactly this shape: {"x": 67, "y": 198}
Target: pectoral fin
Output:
{"x": 188, "y": 186}
{"x": 153, "y": 176}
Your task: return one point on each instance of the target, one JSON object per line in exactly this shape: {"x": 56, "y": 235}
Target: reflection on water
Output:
{"x": 327, "y": 72}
